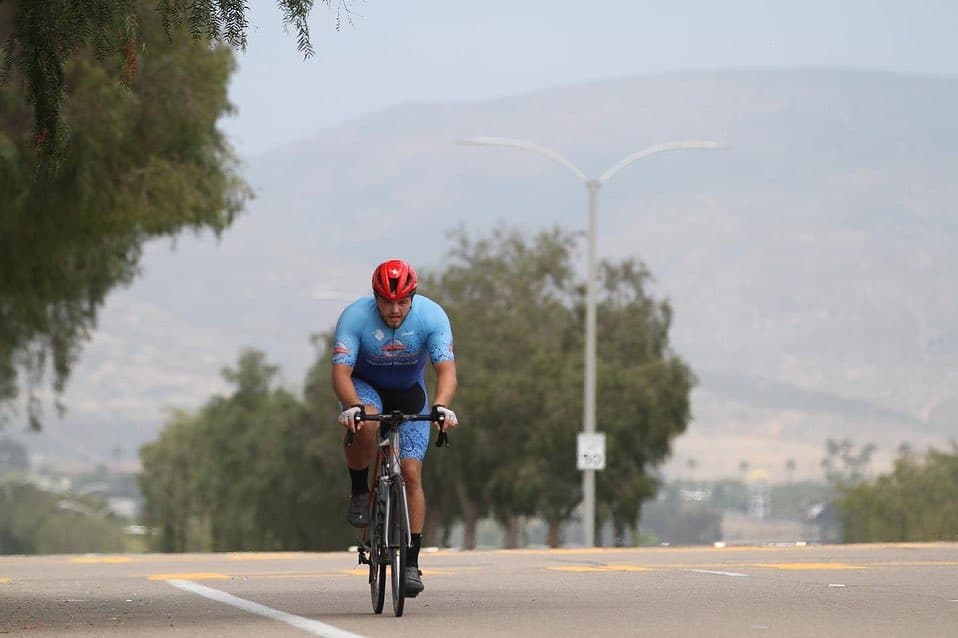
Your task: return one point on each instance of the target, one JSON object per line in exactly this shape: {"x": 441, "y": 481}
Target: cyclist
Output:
{"x": 379, "y": 357}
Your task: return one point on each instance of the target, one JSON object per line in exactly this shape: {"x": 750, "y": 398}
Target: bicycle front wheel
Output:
{"x": 398, "y": 543}
{"x": 377, "y": 554}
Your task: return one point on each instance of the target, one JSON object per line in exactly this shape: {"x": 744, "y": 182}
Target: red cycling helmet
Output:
{"x": 394, "y": 279}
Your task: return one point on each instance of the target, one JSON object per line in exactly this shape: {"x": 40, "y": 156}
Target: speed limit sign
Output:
{"x": 590, "y": 451}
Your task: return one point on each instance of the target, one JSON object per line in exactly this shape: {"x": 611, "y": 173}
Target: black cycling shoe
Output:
{"x": 357, "y": 514}
{"x": 414, "y": 584}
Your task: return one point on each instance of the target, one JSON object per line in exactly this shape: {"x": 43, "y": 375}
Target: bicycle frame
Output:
{"x": 389, "y": 472}
{"x": 386, "y": 540}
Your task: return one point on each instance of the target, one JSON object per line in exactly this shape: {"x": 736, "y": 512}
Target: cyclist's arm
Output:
{"x": 445, "y": 381}
{"x": 343, "y": 385}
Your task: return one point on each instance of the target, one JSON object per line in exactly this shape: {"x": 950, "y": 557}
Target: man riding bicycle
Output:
{"x": 379, "y": 358}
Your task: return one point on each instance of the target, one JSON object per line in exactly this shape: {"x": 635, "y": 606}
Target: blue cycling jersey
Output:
{"x": 387, "y": 358}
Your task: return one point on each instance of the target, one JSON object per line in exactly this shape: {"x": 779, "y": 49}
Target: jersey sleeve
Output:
{"x": 439, "y": 342}
{"x": 346, "y": 342}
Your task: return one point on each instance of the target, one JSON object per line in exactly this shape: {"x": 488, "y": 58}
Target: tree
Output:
{"x": 917, "y": 501}
{"x": 39, "y": 40}
{"x": 34, "y": 521}
{"x": 510, "y": 305}
{"x": 253, "y": 470}
{"x": 145, "y": 161}
{"x": 518, "y": 311}
{"x": 643, "y": 392}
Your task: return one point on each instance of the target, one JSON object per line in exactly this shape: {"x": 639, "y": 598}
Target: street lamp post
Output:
{"x": 593, "y": 185}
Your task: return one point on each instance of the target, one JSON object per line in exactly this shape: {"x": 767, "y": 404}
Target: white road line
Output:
{"x": 709, "y": 571}
{"x": 306, "y": 624}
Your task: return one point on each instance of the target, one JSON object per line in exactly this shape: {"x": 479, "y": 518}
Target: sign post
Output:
{"x": 590, "y": 451}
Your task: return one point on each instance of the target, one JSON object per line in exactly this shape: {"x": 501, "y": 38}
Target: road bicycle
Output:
{"x": 387, "y": 538}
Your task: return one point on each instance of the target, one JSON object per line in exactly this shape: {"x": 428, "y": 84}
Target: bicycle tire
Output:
{"x": 398, "y": 543}
{"x": 377, "y": 555}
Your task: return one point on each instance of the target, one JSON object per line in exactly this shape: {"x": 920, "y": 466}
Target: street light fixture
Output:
{"x": 593, "y": 185}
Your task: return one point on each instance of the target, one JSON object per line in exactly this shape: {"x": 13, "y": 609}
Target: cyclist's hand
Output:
{"x": 445, "y": 416}
{"x": 347, "y": 418}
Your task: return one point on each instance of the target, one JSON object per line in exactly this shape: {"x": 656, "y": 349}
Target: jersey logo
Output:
{"x": 393, "y": 347}
{"x": 379, "y": 335}
{"x": 340, "y": 348}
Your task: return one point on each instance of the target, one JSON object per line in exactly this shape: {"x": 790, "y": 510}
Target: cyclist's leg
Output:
{"x": 414, "y": 441}
{"x": 360, "y": 454}
{"x": 363, "y": 449}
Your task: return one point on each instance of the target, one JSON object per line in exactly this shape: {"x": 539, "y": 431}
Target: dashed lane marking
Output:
{"x": 716, "y": 572}
{"x": 306, "y": 624}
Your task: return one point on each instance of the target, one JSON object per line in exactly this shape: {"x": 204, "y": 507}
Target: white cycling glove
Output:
{"x": 449, "y": 417}
{"x": 347, "y": 418}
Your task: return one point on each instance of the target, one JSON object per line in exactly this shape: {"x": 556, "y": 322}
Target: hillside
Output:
{"x": 810, "y": 263}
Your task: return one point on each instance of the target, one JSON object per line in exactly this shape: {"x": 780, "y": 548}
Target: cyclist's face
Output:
{"x": 393, "y": 312}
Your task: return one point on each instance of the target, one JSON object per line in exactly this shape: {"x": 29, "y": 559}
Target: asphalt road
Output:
{"x": 842, "y": 591}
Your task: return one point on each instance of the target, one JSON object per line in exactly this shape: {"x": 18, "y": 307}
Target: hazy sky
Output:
{"x": 402, "y": 51}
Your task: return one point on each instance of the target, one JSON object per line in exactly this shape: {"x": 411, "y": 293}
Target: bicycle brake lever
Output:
{"x": 360, "y": 417}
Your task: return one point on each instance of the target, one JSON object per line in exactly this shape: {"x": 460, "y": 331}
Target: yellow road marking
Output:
{"x": 101, "y": 560}
{"x": 4, "y": 580}
{"x": 809, "y": 566}
{"x": 601, "y": 568}
{"x": 264, "y": 556}
{"x": 190, "y": 576}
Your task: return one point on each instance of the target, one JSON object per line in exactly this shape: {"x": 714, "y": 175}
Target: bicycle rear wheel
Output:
{"x": 398, "y": 543}
{"x": 377, "y": 555}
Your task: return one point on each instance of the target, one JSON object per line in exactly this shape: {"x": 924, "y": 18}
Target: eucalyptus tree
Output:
{"x": 40, "y": 39}
{"x": 505, "y": 297}
{"x": 643, "y": 390}
{"x": 251, "y": 470}
{"x": 916, "y": 501}
{"x": 517, "y": 308}
{"x": 143, "y": 160}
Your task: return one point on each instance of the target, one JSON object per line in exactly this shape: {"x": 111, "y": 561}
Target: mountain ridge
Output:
{"x": 814, "y": 252}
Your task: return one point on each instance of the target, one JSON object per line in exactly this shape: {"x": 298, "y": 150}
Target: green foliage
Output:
{"x": 643, "y": 392}
{"x": 33, "y": 521}
{"x": 258, "y": 470}
{"x": 40, "y": 39}
{"x": 144, "y": 161}
{"x": 917, "y": 501}
{"x": 254, "y": 470}
{"x": 517, "y": 311}
{"x": 512, "y": 316}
